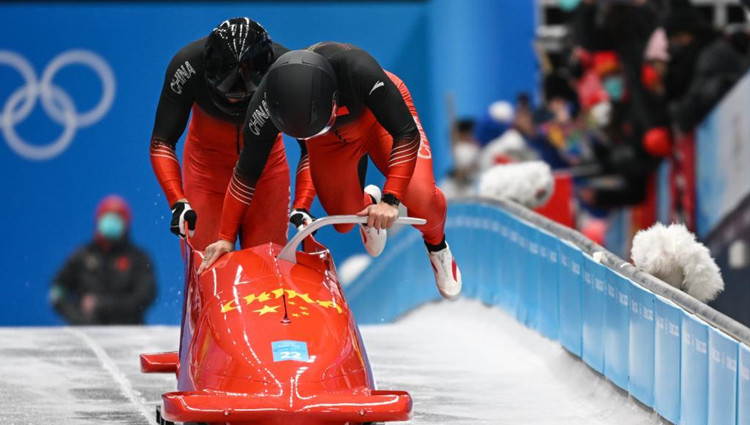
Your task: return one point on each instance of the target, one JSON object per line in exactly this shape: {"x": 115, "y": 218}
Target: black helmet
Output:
{"x": 236, "y": 55}
{"x": 301, "y": 94}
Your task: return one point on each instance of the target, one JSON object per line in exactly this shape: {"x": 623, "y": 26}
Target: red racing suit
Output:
{"x": 212, "y": 148}
{"x": 376, "y": 117}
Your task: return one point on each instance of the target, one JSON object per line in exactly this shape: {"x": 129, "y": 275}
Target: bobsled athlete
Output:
{"x": 341, "y": 105}
{"x": 215, "y": 77}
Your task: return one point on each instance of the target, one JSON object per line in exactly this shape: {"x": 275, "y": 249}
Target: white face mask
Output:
{"x": 328, "y": 126}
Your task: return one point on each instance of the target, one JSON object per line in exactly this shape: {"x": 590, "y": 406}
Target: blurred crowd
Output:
{"x": 632, "y": 77}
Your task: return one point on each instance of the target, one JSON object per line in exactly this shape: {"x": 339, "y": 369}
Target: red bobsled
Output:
{"x": 267, "y": 338}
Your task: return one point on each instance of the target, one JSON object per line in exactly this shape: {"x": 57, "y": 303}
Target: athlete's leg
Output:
{"x": 266, "y": 219}
{"x": 423, "y": 199}
{"x": 336, "y": 170}
{"x": 203, "y": 194}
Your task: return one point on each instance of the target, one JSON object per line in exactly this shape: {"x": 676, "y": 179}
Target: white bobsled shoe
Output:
{"x": 374, "y": 240}
{"x": 447, "y": 274}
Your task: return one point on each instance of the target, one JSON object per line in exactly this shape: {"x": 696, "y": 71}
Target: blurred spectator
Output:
{"x": 108, "y": 281}
{"x": 498, "y": 118}
{"x": 738, "y": 36}
{"x": 703, "y": 66}
{"x": 465, "y": 149}
{"x": 626, "y": 79}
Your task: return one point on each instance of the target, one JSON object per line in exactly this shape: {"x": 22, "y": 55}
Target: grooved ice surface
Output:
{"x": 462, "y": 362}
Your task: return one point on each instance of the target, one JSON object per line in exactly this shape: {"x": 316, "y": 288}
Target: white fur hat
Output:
{"x": 528, "y": 183}
{"x": 501, "y": 111}
{"x": 674, "y": 255}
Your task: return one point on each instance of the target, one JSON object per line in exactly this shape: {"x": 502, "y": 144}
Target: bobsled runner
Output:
{"x": 267, "y": 338}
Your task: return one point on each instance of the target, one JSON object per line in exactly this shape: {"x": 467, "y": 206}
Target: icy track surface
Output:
{"x": 463, "y": 363}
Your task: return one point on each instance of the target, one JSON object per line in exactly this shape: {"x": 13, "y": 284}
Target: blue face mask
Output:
{"x": 111, "y": 226}
{"x": 615, "y": 88}
{"x": 568, "y": 5}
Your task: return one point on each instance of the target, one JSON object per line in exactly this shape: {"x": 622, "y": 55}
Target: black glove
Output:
{"x": 301, "y": 218}
{"x": 181, "y": 213}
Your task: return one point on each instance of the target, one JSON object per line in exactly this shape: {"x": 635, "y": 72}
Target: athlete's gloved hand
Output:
{"x": 182, "y": 213}
{"x": 300, "y": 218}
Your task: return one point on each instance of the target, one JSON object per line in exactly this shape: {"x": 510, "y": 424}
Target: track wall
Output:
{"x": 688, "y": 362}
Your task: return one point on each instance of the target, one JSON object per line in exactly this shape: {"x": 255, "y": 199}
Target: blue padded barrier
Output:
{"x": 527, "y": 307}
{"x": 668, "y": 350}
{"x": 497, "y": 244}
{"x": 723, "y": 353}
{"x": 667, "y": 347}
{"x": 616, "y": 329}
{"x": 571, "y": 297}
{"x": 694, "y": 371}
{"x": 641, "y": 355}
{"x": 743, "y": 387}
{"x": 594, "y": 287}
{"x": 548, "y": 320}
{"x": 486, "y": 238}
{"x": 501, "y": 296}
{"x": 514, "y": 276}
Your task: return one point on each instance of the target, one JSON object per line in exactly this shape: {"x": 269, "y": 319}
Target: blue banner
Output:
{"x": 723, "y": 177}
{"x": 529, "y": 285}
{"x": 694, "y": 375}
{"x": 502, "y": 293}
{"x": 641, "y": 356}
{"x": 667, "y": 349}
{"x": 593, "y": 313}
{"x": 743, "y": 397}
{"x": 722, "y": 378}
{"x": 571, "y": 297}
{"x": 99, "y": 67}
{"x": 617, "y": 329}
{"x": 548, "y": 313}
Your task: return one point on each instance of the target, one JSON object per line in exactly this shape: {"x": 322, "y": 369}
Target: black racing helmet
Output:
{"x": 236, "y": 55}
{"x": 301, "y": 94}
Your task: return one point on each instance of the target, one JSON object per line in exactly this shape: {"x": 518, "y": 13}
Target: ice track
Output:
{"x": 463, "y": 363}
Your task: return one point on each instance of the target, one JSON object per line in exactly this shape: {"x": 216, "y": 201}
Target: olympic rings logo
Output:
{"x": 56, "y": 102}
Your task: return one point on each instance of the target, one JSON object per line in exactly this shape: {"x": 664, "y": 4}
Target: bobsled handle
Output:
{"x": 289, "y": 253}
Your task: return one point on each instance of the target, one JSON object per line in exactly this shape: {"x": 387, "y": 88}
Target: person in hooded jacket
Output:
{"x": 703, "y": 67}
{"x": 108, "y": 281}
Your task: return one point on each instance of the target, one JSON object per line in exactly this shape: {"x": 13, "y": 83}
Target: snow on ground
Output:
{"x": 463, "y": 363}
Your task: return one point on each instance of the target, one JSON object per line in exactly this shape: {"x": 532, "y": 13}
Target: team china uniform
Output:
{"x": 214, "y": 139}
{"x": 374, "y": 115}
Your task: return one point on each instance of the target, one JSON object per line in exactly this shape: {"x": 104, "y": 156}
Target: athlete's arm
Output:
{"x": 385, "y": 101}
{"x": 304, "y": 191}
{"x": 259, "y": 135}
{"x": 172, "y": 115}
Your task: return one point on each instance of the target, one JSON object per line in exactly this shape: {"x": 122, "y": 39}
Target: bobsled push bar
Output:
{"x": 289, "y": 251}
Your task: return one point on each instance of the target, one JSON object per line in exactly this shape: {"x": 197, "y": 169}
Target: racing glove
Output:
{"x": 300, "y": 218}
{"x": 182, "y": 213}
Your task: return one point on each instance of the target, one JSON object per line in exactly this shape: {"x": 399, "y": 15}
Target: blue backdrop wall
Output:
{"x": 48, "y": 203}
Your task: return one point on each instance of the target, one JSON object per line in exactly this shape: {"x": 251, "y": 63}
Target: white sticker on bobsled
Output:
{"x": 289, "y": 350}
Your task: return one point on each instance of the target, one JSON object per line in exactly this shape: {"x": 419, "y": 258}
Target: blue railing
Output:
{"x": 688, "y": 362}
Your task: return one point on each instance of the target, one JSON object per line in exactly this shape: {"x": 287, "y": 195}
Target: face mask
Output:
{"x": 568, "y": 5}
{"x": 111, "y": 226}
{"x": 615, "y": 88}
